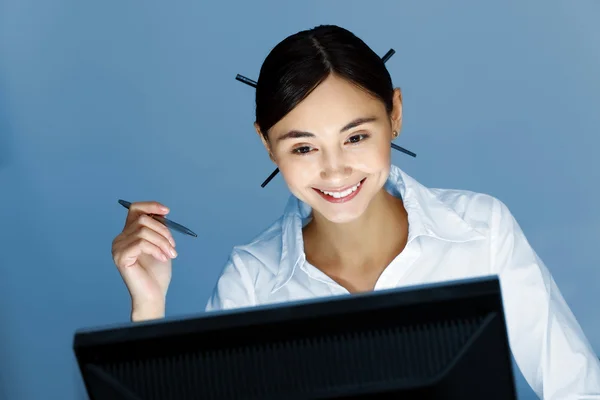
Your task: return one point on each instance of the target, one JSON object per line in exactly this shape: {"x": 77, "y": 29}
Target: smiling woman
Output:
{"x": 324, "y": 155}
{"x": 326, "y": 112}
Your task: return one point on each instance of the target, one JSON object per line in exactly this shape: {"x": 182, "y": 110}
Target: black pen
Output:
{"x": 164, "y": 221}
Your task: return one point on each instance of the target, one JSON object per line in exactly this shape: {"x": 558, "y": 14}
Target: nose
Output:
{"x": 334, "y": 166}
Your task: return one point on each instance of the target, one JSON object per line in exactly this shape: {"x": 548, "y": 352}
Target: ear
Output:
{"x": 396, "y": 115}
{"x": 264, "y": 141}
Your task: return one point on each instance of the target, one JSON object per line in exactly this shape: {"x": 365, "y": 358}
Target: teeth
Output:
{"x": 340, "y": 195}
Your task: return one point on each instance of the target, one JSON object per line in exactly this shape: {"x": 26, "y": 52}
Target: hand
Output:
{"x": 142, "y": 253}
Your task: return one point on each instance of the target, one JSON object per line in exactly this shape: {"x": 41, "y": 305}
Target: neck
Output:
{"x": 370, "y": 240}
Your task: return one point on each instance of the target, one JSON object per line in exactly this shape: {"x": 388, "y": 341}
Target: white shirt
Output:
{"x": 453, "y": 234}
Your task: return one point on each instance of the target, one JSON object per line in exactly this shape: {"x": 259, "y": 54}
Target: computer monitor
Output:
{"x": 437, "y": 341}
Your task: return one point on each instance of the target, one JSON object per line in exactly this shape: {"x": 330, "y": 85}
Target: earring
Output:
{"x": 395, "y": 134}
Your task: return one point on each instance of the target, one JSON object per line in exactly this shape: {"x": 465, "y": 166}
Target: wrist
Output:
{"x": 147, "y": 312}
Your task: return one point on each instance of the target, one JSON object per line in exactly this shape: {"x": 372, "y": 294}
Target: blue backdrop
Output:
{"x": 132, "y": 100}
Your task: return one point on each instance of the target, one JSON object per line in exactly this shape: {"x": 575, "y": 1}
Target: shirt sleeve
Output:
{"x": 234, "y": 288}
{"x": 547, "y": 342}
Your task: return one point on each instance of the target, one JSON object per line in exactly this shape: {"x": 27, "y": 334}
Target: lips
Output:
{"x": 341, "y": 195}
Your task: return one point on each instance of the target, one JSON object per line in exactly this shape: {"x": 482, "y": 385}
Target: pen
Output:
{"x": 164, "y": 221}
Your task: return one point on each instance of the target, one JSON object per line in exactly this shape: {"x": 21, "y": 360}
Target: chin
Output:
{"x": 341, "y": 217}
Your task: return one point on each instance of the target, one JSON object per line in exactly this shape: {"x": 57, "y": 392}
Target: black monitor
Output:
{"x": 437, "y": 341}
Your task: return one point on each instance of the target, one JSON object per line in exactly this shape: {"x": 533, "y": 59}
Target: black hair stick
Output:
{"x": 245, "y": 80}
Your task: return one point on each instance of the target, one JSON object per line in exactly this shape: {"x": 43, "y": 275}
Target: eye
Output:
{"x": 302, "y": 150}
{"x": 357, "y": 138}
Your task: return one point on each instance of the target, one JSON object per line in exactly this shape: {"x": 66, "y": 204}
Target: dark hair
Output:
{"x": 299, "y": 63}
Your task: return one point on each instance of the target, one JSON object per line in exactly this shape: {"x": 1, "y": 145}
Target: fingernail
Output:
{"x": 173, "y": 253}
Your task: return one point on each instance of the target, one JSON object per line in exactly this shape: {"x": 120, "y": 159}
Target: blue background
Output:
{"x": 137, "y": 100}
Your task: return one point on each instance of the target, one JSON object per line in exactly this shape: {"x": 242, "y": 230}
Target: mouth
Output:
{"x": 342, "y": 195}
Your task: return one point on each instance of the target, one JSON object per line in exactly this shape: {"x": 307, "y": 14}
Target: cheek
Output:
{"x": 372, "y": 157}
{"x": 385, "y": 155}
{"x": 297, "y": 171}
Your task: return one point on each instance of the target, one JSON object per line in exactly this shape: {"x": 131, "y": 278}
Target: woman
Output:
{"x": 326, "y": 112}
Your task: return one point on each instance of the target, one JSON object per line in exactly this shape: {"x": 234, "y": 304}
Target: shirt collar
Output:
{"x": 427, "y": 216}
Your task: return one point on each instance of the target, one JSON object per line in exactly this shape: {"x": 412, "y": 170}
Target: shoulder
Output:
{"x": 480, "y": 210}
{"x": 263, "y": 251}
{"x": 250, "y": 266}
{"x": 509, "y": 247}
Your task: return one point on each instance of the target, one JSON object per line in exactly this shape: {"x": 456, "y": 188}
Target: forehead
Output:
{"x": 330, "y": 106}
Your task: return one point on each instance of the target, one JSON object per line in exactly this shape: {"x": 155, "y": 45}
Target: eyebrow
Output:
{"x": 303, "y": 134}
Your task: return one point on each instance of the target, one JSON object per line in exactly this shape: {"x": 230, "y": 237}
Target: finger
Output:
{"x": 146, "y": 220}
{"x": 145, "y": 207}
{"x": 156, "y": 239}
{"x": 131, "y": 253}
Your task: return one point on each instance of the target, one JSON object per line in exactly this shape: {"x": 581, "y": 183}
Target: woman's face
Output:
{"x": 333, "y": 149}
